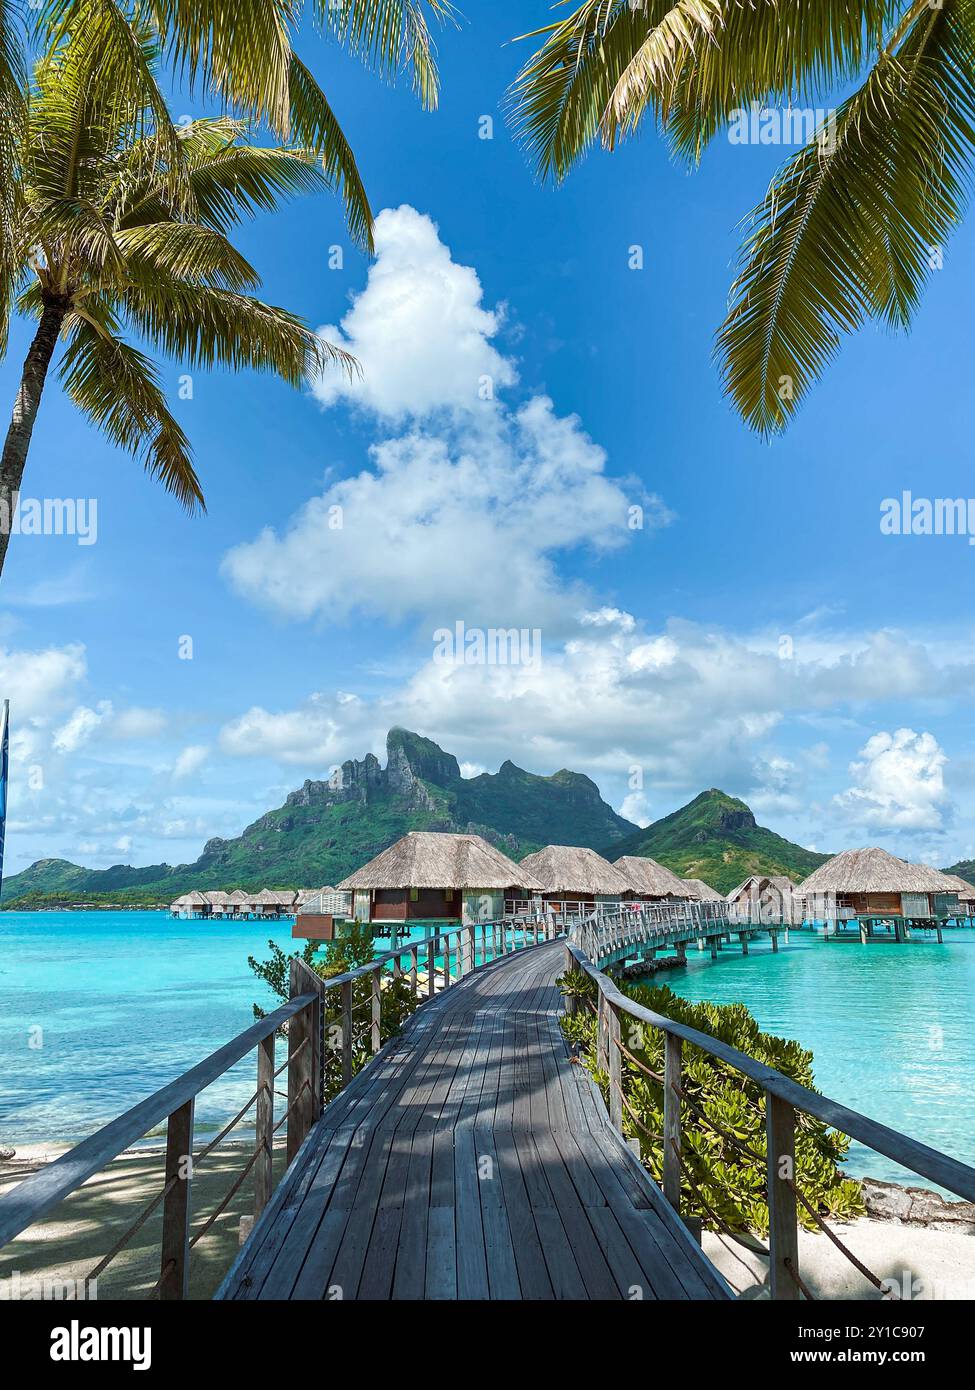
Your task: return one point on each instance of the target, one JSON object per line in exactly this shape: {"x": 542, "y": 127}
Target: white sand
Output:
{"x": 922, "y": 1263}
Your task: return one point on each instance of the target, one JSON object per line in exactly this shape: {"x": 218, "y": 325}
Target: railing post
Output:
{"x": 175, "y": 1257}
{"x": 377, "y": 1010}
{"x": 264, "y": 1124}
{"x": 346, "y": 1032}
{"x": 780, "y": 1129}
{"x": 602, "y": 1060}
{"x": 673, "y": 1049}
{"x": 431, "y": 965}
{"x": 414, "y": 960}
{"x": 615, "y": 1069}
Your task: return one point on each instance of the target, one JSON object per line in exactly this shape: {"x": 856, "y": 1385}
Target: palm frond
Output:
{"x": 781, "y": 50}
{"x": 207, "y": 326}
{"x": 226, "y": 183}
{"x": 242, "y": 48}
{"x": 118, "y": 388}
{"x": 389, "y": 35}
{"x": 315, "y": 126}
{"x": 560, "y": 96}
{"x": 108, "y": 63}
{"x": 848, "y": 228}
{"x": 198, "y": 255}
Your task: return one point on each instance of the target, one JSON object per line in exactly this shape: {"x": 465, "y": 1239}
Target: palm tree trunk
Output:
{"x": 17, "y": 443}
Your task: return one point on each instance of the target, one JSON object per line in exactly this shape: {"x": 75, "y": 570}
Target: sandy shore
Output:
{"x": 919, "y": 1263}
{"x": 69, "y": 1243}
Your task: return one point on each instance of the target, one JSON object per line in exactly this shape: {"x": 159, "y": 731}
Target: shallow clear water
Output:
{"x": 891, "y": 1027}
{"x": 125, "y": 1001}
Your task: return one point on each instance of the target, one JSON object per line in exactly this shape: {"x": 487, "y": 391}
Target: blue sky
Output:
{"x": 759, "y": 633}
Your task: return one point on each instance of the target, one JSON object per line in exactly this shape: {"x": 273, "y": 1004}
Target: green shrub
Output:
{"x": 349, "y": 951}
{"x": 728, "y": 1180}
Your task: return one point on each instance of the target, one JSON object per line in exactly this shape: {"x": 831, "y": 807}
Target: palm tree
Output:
{"x": 120, "y": 223}
{"x": 241, "y": 50}
{"x": 853, "y": 222}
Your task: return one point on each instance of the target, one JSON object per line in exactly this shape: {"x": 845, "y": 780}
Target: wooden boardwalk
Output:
{"x": 472, "y": 1160}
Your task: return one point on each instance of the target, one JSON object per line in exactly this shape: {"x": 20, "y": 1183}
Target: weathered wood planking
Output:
{"x": 472, "y": 1160}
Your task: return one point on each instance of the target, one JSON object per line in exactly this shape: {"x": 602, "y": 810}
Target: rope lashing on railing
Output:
{"x": 170, "y": 1264}
{"x": 235, "y": 1188}
{"x": 867, "y": 1273}
{"x": 797, "y": 1279}
{"x": 124, "y": 1239}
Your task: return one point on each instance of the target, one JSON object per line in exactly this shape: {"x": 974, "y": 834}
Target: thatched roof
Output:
{"x": 962, "y": 887}
{"x": 575, "y": 871}
{"x": 874, "y": 871}
{"x": 239, "y": 896}
{"x": 648, "y": 878}
{"x": 216, "y": 897}
{"x": 757, "y": 884}
{"x": 273, "y": 897}
{"x": 697, "y": 888}
{"x": 431, "y": 859}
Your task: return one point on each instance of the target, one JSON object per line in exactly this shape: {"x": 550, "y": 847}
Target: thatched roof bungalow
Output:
{"x": 965, "y": 890}
{"x": 649, "y": 880}
{"x": 703, "y": 892}
{"x": 434, "y": 876}
{"x": 570, "y": 873}
{"x": 764, "y": 897}
{"x": 191, "y": 905}
{"x": 873, "y": 882}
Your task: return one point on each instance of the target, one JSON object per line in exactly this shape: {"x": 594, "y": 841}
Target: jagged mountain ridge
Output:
{"x": 325, "y": 829}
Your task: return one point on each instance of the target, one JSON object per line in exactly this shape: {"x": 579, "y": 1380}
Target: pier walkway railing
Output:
{"x": 429, "y": 964}
{"x": 621, "y": 1025}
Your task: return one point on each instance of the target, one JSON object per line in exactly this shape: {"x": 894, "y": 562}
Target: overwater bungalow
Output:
{"x": 193, "y": 906}
{"x": 317, "y": 911}
{"x": 873, "y": 884}
{"x": 650, "y": 881}
{"x": 219, "y": 902}
{"x": 702, "y": 892}
{"x": 574, "y": 879}
{"x": 966, "y": 895}
{"x": 434, "y": 876}
{"x": 763, "y": 896}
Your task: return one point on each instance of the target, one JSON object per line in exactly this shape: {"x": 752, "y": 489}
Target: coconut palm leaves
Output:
{"x": 121, "y": 227}
{"x": 244, "y": 52}
{"x": 853, "y": 223}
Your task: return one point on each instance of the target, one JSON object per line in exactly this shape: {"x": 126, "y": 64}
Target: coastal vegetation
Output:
{"x": 724, "y": 1152}
{"x": 854, "y": 222}
{"x": 351, "y": 950}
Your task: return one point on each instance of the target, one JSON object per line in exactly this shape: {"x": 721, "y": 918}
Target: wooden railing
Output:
{"x": 460, "y": 951}
{"x": 784, "y": 1100}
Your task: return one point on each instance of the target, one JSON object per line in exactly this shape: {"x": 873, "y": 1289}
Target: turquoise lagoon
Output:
{"x": 891, "y": 1027}
{"x": 122, "y": 1002}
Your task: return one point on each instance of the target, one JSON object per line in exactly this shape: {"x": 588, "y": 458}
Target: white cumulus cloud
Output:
{"x": 898, "y": 783}
{"x": 418, "y": 329}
